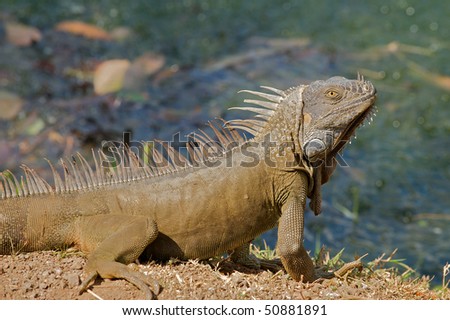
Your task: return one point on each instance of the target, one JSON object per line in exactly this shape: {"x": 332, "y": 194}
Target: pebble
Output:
{"x": 77, "y": 265}
{"x": 73, "y": 280}
{"x": 331, "y": 295}
{"x": 27, "y": 286}
{"x": 13, "y": 287}
{"x": 34, "y": 295}
{"x": 43, "y": 285}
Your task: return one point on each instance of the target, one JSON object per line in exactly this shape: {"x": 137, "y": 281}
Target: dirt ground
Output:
{"x": 57, "y": 275}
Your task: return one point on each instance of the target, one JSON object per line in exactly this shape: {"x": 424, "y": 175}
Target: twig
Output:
{"x": 349, "y": 266}
{"x": 96, "y": 296}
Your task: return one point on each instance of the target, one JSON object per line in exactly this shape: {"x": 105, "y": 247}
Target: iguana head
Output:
{"x": 318, "y": 118}
{"x": 332, "y": 110}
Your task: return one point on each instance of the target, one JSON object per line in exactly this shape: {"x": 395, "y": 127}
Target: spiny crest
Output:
{"x": 124, "y": 165}
{"x": 118, "y": 164}
{"x": 265, "y": 110}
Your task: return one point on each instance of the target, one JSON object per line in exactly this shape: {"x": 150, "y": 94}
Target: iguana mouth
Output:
{"x": 349, "y": 131}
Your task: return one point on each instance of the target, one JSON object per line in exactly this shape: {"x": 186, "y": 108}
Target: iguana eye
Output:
{"x": 332, "y": 94}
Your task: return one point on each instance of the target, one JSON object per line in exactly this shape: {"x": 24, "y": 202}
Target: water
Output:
{"x": 395, "y": 193}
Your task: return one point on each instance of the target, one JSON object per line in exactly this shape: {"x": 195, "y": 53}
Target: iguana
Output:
{"x": 226, "y": 191}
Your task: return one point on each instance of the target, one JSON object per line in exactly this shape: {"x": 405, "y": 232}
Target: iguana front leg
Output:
{"x": 114, "y": 241}
{"x": 293, "y": 255}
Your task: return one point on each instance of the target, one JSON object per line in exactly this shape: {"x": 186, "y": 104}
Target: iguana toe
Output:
{"x": 85, "y": 284}
{"x": 274, "y": 265}
{"x": 243, "y": 257}
{"x": 115, "y": 270}
{"x": 249, "y": 261}
{"x": 323, "y": 273}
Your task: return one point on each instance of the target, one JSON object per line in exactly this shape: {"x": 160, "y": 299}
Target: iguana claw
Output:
{"x": 136, "y": 278}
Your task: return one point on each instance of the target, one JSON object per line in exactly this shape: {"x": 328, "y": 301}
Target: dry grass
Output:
{"x": 46, "y": 275}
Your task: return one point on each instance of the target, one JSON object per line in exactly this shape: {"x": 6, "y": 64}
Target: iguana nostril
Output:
{"x": 366, "y": 87}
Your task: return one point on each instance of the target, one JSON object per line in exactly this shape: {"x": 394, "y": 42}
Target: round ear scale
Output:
{"x": 313, "y": 148}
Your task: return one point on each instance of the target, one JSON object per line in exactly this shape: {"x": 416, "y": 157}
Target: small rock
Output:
{"x": 332, "y": 295}
{"x": 77, "y": 265}
{"x": 13, "y": 287}
{"x": 33, "y": 295}
{"x": 27, "y": 286}
{"x": 43, "y": 285}
{"x": 73, "y": 280}
{"x": 51, "y": 278}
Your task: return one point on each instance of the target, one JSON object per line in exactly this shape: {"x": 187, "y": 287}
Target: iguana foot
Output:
{"x": 242, "y": 256}
{"x": 117, "y": 270}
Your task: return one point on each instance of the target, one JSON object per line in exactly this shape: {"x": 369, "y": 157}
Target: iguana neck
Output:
{"x": 280, "y": 138}
{"x": 285, "y": 124}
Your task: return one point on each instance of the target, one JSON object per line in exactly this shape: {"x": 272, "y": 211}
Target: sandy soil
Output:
{"x": 56, "y": 275}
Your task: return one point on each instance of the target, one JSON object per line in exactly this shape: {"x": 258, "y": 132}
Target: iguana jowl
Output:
{"x": 200, "y": 207}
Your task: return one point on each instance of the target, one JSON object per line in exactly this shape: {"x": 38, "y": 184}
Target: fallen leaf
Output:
{"x": 56, "y": 137}
{"x": 21, "y": 35}
{"x": 109, "y": 75}
{"x": 120, "y": 33}
{"x": 166, "y": 73}
{"x": 149, "y": 63}
{"x": 83, "y": 29}
{"x": 10, "y": 105}
{"x": 35, "y": 127}
{"x": 142, "y": 67}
